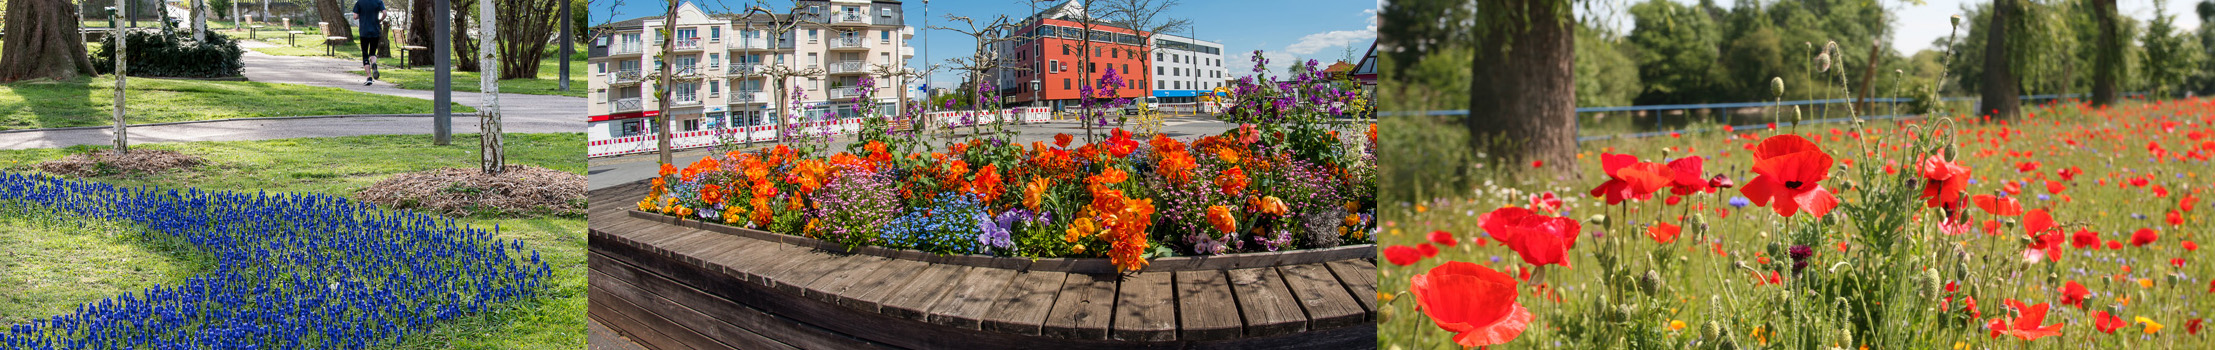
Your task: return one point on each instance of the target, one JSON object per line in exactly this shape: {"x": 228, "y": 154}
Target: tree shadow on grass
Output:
{"x": 48, "y": 103}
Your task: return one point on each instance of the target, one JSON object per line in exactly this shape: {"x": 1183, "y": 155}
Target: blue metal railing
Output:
{"x": 1697, "y": 106}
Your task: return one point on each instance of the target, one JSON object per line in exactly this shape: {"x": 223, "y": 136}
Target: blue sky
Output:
{"x": 1916, "y": 26}
{"x": 1284, "y": 30}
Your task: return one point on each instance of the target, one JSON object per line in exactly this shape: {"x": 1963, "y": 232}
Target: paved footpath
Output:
{"x": 520, "y": 113}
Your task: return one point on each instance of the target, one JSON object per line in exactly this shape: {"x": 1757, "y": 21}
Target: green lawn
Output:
{"x": 88, "y": 102}
{"x": 51, "y": 264}
{"x": 343, "y": 165}
{"x": 419, "y": 77}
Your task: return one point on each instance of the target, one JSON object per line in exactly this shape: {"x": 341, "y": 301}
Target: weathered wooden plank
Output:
{"x": 916, "y": 296}
{"x": 1021, "y": 308}
{"x": 723, "y": 306}
{"x": 657, "y": 333}
{"x": 965, "y": 305}
{"x": 1360, "y": 278}
{"x": 716, "y": 333}
{"x": 1263, "y": 300}
{"x": 1206, "y": 309}
{"x": 800, "y": 276}
{"x": 1322, "y": 296}
{"x": 841, "y": 280}
{"x": 868, "y": 293}
{"x": 1086, "y": 305}
{"x": 1146, "y": 308}
{"x": 605, "y": 313}
{"x": 746, "y": 263}
{"x": 783, "y": 269}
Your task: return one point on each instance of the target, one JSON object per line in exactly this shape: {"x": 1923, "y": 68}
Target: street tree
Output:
{"x": 42, "y": 42}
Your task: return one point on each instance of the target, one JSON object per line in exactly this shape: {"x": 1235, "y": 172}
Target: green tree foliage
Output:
{"x": 1677, "y": 52}
{"x": 2170, "y": 54}
{"x": 1421, "y": 27}
{"x": 2054, "y": 45}
{"x": 1605, "y": 74}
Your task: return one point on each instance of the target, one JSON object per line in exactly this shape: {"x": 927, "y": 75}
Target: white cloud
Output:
{"x": 1313, "y": 43}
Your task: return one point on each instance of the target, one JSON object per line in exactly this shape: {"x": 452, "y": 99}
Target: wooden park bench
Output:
{"x": 330, "y": 42}
{"x": 402, "y": 41}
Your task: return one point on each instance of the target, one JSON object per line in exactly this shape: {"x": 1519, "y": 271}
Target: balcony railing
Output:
{"x": 746, "y": 96}
{"x": 626, "y": 49}
{"x": 848, "y": 43}
{"x": 849, "y": 18}
{"x": 744, "y": 69}
{"x": 688, "y": 43}
{"x": 624, "y": 76}
{"x": 685, "y": 70}
{"x": 684, "y": 100}
{"x": 847, "y": 67}
{"x": 628, "y": 104}
{"x": 845, "y": 92}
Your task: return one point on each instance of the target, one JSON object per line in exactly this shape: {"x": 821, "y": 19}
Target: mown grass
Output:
{"x": 51, "y": 262}
{"x": 343, "y": 165}
{"x": 1702, "y": 279}
{"x": 90, "y": 102}
{"x": 419, "y": 77}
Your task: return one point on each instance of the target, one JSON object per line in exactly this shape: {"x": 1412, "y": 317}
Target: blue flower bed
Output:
{"x": 291, "y": 271}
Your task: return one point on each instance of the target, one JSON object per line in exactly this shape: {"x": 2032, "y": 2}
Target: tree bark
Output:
{"x": 495, "y": 158}
{"x": 461, "y": 33}
{"x": 2001, "y": 96}
{"x": 42, "y": 42}
{"x": 336, "y": 16}
{"x": 419, "y": 31}
{"x": 2109, "y": 57}
{"x": 1523, "y": 106}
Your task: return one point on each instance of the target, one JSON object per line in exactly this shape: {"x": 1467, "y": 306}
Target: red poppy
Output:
{"x": 2055, "y": 187}
{"x": 1546, "y": 201}
{"x": 2175, "y": 219}
{"x": 2002, "y": 206}
{"x": 2084, "y": 238}
{"x": 2069, "y": 174}
{"x": 1473, "y": 301}
{"x": 1630, "y": 179}
{"x": 2073, "y": 294}
{"x": 1687, "y": 176}
{"x": 2143, "y": 236}
{"x": 1539, "y": 239}
{"x": 1663, "y": 232}
{"x": 2192, "y": 327}
{"x": 1443, "y": 237}
{"x": 1402, "y": 255}
{"x": 1943, "y": 184}
{"x": 1791, "y": 170}
{"x": 2114, "y": 245}
{"x": 1427, "y": 249}
{"x": 1538, "y": 163}
{"x": 2189, "y": 246}
{"x": 2026, "y": 324}
{"x": 2107, "y": 323}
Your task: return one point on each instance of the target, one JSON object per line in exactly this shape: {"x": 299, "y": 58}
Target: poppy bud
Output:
{"x": 1649, "y": 283}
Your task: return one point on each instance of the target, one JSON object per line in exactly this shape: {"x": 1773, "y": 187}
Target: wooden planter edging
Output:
{"x": 1076, "y": 265}
{"x": 688, "y": 285}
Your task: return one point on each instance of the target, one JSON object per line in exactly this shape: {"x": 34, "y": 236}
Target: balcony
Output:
{"x": 757, "y": 44}
{"x": 849, "y": 19}
{"x": 621, "y": 77}
{"x": 684, "y": 70}
{"x": 630, "y": 48}
{"x": 684, "y": 101}
{"x": 740, "y": 97}
{"x": 843, "y": 93}
{"x": 628, "y": 105}
{"x": 744, "y": 69}
{"x": 687, "y": 44}
{"x": 847, "y": 67}
{"x": 851, "y": 43}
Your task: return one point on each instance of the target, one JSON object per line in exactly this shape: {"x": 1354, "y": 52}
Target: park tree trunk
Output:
{"x": 2109, "y": 57}
{"x": 668, "y": 37}
{"x": 42, "y": 42}
{"x": 495, "y": 159}
{"x": 525, "y": 26}
{"x": 462, "y": 13}
{"x": 336, "y": 16}
{"x": 1525, "y": 108}
{"x": 419, "y": 31}
{"x": 2001, "y": 95}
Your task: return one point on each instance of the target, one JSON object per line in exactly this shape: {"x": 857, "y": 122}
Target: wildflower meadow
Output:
{"x": 2069, "y": 227}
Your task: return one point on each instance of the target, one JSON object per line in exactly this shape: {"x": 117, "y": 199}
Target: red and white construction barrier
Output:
{"x": 765, "y": 133}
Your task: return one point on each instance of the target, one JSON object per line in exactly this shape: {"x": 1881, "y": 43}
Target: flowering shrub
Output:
{"x": 1127, "y": 197}
{"x": 291, "y": 271}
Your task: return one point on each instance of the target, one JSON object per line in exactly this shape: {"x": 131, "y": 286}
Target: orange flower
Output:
{"x": 1128, "y": 234}
{"x": 712, "y": 194}
{"x": 1033, "y": 193}
{"x": 1232, "y": 181}
{"x": 761, "y": 211}
{"x": 1227, "y": 154}
{"x": 1220, "y": 216}
{"x": 1273, "y": 206}
{"x": 987, "y": 185}
{"x": 1078, "y": 229}
{"x": 668, "y": 169}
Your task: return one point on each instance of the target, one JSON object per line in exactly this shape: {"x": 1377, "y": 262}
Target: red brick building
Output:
{"x": 1055, "y": 59}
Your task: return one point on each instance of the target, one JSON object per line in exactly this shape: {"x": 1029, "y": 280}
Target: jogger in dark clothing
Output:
{"x": 371, "y": 15}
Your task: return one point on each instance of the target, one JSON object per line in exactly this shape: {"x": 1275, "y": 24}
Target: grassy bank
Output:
{"x": 90, "y": 102}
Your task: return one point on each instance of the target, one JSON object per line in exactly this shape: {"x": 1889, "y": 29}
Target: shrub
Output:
{"x": 156, "y": 53}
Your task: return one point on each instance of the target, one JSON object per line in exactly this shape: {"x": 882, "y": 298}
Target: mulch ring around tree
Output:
{"x": 520, "y": 191}
{"x": 107, "y": 162}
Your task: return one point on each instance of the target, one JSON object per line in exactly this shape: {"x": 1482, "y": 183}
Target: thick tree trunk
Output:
{"x": 419, "y": 31}
{"x": 42, "y": 42}
{"x": 336, "y": 16}
{"x": 1523, "y": 106}
{"x": 2110, "y": 56}
{"x": 2001, "y": 95}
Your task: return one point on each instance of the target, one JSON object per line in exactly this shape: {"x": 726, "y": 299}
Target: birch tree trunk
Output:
{"x": 495, "y": 158}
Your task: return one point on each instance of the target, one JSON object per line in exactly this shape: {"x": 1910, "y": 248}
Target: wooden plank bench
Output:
{"x": 683, "y": 285}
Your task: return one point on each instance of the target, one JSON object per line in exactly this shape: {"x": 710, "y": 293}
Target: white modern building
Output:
{"x": 718, "y": 58}
{"x": 1185, "y": 68}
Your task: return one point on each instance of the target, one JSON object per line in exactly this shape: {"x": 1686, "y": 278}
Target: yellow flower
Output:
{"x": 2151, "y": 326}
{"x": 2145, "y": 283}
{"x": 1419, "y": 208}
{"x": 1675, "y": 325}
{"x": 1079, "y": 249}
{"x": 1383, "y": 297}
{"x": 1958, "y": 345}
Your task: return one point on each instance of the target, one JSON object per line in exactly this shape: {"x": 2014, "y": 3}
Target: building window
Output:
{"x": 715, "y": 59}
{"x": 811, "y": 36}
{"x": 715, "y": 88}
{"x": 1064, "y": 50}
{"x": 1064, "y": 83}
{"x": 883, "y": 36}
{"x": 715, "y": 33}
{"x": 692, "y": 125}
{"x": 1112, "y": 53}
{"x": 1053, "y": 66}
{"x": 629, "y": 128}
{"x": 1093, "y": 67}
{"x": 1157, "y": 56}
{"x": 1157, "y": 70}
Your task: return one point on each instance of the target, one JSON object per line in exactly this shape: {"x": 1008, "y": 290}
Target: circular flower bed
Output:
{"x": 292, "y": 271}
{"x": 1284, "y": 179}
